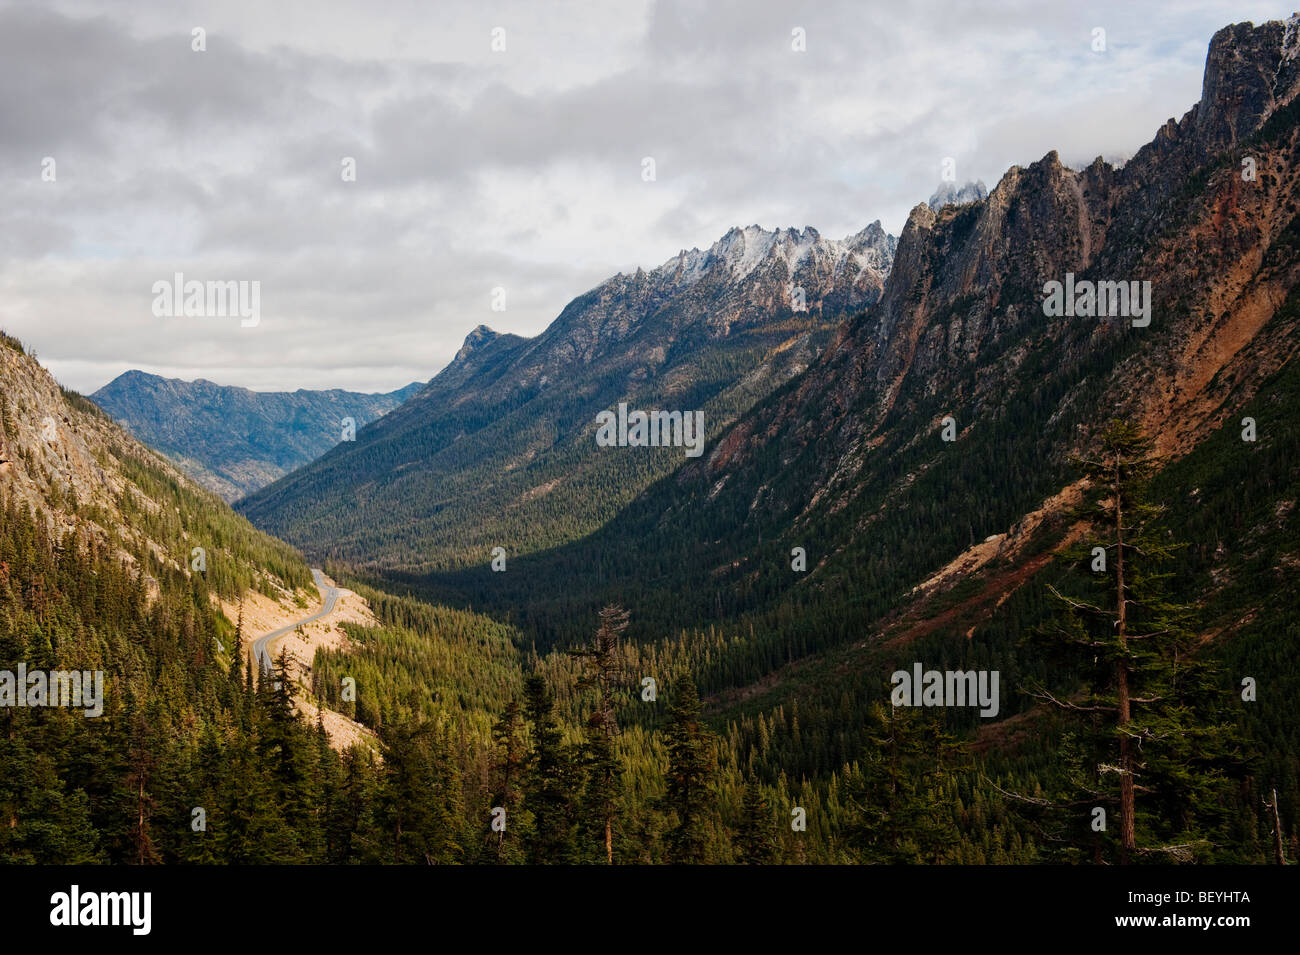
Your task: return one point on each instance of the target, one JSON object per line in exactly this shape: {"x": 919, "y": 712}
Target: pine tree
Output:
{"x": 1148, "y": 726}
{"x": 508, "y": 771}
{"x": 420, "y": 801}
{"x": 552, "y": 780}
{"x": 234, "y": 676}
{"x": 898, "y": 792}
{"x": 351, "y": 831}
{"x": 757, "y": 839}
{"x": 692, "y": 766}
{"x": 603, "y": 672}
{"x": 146, "y": 746}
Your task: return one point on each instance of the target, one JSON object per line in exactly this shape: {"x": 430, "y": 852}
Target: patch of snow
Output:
{"x": 1291, "y": 38}
{"x": 741, "y": 251}
{"x": 948, "y": 194}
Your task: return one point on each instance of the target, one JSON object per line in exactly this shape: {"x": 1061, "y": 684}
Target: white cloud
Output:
{"x": 519, "y": 169}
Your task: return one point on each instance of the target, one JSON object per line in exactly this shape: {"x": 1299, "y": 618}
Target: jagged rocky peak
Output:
{"x": 959, "y": 280}
{"x": 741, "y": 251}
{"x": 949, "y": 194}
{"x": 921, "y": 218}
{"x": 873, "y": 235}
{"x": 742, "y": 280}
{"x": 1249, "y": 73}
{"x": 475, "y": 340}
{"x": 874, "y": 247}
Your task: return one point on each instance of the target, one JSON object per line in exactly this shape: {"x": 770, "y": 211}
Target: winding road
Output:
{"x": 262, "y": 645}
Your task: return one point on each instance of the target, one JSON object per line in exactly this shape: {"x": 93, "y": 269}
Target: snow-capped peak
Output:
{"x": 743, "y": 250}
{"x": 948, "y": 194}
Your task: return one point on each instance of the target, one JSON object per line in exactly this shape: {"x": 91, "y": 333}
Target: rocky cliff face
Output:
{"x": 962, "y": 308}
{"x": 848, "y": 461}
{"x": 1251, "y": 72}
{"x": 44, "y": 460}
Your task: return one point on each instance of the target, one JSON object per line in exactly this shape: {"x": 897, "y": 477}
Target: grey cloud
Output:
{"x": 522, "y": 169}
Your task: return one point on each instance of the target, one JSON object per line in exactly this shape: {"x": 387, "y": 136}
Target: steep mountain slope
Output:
{"x": 175, "y": 752}
{"x": 499, "y": 449}
{"x": 65, "y": 459}
{"x": 232, "y": 440}
{"x": 110, "y": 560}
{"x": 940, "y": 552}
{"x": 848, "y": 460}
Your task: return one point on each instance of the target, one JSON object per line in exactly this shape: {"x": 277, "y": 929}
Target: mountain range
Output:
{"x": 498, "y": 450}
{"x": 848, "y": 459}
{"x": 823, "y": 429}
{"x": 899, "y": 475}
{"x": 233, "y": 440}
{"x": 912, "y": 541}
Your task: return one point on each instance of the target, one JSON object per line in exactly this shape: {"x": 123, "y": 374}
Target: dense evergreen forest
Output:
{"x": 601, "y": 749}
{"x": 440, "y": 467}
{"x": 800, "y": 737}
{"x": 196, "y": 761}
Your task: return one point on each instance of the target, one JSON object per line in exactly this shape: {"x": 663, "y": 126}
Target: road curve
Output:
{"x": 262, "y": 645}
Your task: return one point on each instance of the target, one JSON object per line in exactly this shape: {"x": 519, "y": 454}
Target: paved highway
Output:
{"x": 262, "y": 645}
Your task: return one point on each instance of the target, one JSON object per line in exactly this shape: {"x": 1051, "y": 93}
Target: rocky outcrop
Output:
{"x": 963, "y": 301}
{"x": 744, "y": 280}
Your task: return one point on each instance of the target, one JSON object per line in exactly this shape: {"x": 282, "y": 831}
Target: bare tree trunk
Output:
{"x": 1279, "y": 856}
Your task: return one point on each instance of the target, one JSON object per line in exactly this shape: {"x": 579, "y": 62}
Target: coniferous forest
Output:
{"x": 471, "y": 729}
{"x": 950, "y": 578}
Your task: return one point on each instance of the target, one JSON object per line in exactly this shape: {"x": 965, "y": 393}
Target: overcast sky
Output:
{"x": 519, "y": 168}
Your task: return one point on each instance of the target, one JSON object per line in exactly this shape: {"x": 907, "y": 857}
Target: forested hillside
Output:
{"x": 498, "y": 451}
{"x": 232, "y": 440}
